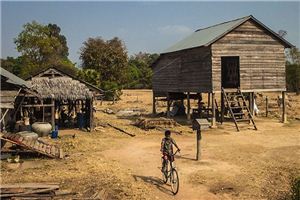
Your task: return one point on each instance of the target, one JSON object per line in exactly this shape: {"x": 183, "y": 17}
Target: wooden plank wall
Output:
{"x": 262, "y": 58}
{"x": 184, "y": 71}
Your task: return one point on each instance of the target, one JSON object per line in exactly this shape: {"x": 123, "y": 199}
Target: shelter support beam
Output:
{"x": 222, "y": 108}
{"x": 284, "y": 116}
{"x": 53, "y": 114}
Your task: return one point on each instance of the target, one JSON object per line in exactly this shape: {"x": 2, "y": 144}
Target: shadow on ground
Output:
{"x": 165, "y": 188}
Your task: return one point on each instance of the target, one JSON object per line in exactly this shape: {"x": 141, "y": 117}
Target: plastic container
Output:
{"x": 54, "y": 134}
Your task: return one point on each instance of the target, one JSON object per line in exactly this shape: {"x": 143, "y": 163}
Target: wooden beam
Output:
{"x": 153, "y": 103}
{"x": 252, "y": 104}
{"x": 37, "y": 105}
{"x": 188, "y": 106}
{"x": 284, "y": 116}
{"x": 198, "y": 138}
{"x": 213, "y": 119}
{"x": 53, "y": 114}
{"x": 222, "y": 108}
{"x": 168, "y": 106}
{"x": 3, "y": 116}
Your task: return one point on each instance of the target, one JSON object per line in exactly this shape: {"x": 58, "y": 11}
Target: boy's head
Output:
{"x": 168, "y": 133}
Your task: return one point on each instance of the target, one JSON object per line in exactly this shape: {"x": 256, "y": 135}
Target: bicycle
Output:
{"x": 170, "y": 173}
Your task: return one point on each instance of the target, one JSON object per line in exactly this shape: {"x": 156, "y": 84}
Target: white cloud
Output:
{"x": 175, "y": 30}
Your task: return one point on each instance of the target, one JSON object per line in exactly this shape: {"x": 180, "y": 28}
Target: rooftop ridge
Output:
{"x": 246, "y": 17}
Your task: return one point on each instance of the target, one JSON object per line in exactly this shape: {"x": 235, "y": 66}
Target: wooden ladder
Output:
{"x": 237, "y": 107}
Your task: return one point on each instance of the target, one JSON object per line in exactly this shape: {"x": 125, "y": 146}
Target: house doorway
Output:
{"x": 230, "y": 66}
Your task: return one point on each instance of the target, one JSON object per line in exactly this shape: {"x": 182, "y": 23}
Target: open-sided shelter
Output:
{"x": 70, "y": 100}
{"x": 13, "y": 89}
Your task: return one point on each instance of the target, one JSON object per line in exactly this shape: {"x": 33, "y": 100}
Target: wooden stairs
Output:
{"x": 236, "y": 104}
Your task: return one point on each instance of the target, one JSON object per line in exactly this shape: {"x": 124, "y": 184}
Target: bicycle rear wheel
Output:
{"x": 174, "y": 179}
{"x": 164, "y": 171}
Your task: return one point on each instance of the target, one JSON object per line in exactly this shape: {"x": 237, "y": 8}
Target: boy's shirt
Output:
{"x": 167, "y": 145}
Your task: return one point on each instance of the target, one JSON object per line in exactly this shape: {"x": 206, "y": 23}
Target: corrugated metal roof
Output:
{"x": 207, "y": 36}
{"x": 13, "y": 79}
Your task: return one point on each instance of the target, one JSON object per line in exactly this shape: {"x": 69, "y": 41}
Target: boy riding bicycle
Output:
{"x": 167, "y": 149}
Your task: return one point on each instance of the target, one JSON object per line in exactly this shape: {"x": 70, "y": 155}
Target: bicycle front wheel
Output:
{"x": 174, "y": 181}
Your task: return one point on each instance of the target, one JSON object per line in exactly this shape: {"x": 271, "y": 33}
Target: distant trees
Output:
{"x": 293, "y": 70}
{"x": 140, "y": 72}
{"x": 41, "y": 46}
{"x": 105, "y": 63}
{"x": 108, "y": 58}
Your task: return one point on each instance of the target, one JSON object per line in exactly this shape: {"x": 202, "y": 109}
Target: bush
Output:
{"x": 112, "y": 90}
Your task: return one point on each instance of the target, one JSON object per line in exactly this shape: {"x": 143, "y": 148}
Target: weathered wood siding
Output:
{"x": 184, "y": 71}
{"x": 262, "y": 59}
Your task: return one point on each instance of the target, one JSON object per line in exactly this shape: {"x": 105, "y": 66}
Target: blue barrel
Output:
{"x": 54, "y": 134}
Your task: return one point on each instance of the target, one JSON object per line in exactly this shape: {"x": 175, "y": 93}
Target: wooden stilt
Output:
{"x": 53, "y": 114}
{"x": 222, "y": 108}
{"x": 208, "y": 101}
{"x": 153, "y": 104}
{"x": 168, "y": 107}
{"x": 252, "y": 103}
{"x": 284, "y": 116}
{"x": 188, "y": 106}
{"x": 213, "y": 119}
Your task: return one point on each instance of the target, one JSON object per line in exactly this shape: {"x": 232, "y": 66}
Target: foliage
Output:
{"x": 41, "y": 46}
{"x": 139, "y": 74}
{"x": 293, "y": 77}
{"x": 89, "y": 75}
{"x": 293, "y": 70}
{"x": 112, "y": 90}
{"x": 293, "y": 56}
{"x": 109, "y": 58}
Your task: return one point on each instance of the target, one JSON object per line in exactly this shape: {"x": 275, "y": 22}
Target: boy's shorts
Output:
{"x": 166, "y": 156}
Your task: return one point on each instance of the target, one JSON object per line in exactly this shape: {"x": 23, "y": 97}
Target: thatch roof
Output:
{"x": 61, "y": 88}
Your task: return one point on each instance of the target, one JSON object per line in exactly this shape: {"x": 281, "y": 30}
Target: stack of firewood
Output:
{"x": 24, "y": 191}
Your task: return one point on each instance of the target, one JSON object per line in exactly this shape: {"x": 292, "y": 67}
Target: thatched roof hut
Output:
{"x": 61, "y": 88}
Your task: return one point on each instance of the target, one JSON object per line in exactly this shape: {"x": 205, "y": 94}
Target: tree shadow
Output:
{"x": 154, "y": 181}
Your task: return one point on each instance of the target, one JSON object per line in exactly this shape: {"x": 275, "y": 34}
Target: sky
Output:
{"x": 144, "y": 26}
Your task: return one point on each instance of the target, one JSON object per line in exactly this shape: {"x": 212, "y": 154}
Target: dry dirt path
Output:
{"x": 141, "y": 155}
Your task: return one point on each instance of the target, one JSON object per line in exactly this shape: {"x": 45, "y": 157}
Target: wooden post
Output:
{"x": 208, "y": 101}
{"x": 188, "y": 106}
{"x": 267, "y": 106}
{"x": 153, "y": 104}
{"x": 252, "y": 104}
{"x": 198, "y": 138}
{"x": 284, "y": 117}
{"x": 168, "y": 106}
{"x": 53, "y": 114}
{"x": 42, "y": 101}
{"x": 213, "y": 119}
{"x": 222, "y": 107}
{"x": 91, "y": 115}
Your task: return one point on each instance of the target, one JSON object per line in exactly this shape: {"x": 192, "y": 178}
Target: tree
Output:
{"x": 89, "y": 75}
{"x": 293, "y": 70}
{"x": 140, "y": 72}
{"x": 42, "y": 46}
{"x": 109, "y": 58}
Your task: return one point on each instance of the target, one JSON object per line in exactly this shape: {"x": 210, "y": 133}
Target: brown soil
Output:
{"x": 111, "y": 165}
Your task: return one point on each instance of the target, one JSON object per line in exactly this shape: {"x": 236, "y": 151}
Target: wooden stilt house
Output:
{"x": 231, "y": 58}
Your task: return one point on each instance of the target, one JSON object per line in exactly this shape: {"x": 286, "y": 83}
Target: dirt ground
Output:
{"x": 107, "y": 164}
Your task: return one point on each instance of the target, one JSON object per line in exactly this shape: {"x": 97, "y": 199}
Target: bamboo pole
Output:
{"x": 188, "y": 107}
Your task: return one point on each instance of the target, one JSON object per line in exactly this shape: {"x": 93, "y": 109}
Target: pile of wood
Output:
{"x": 32, "y": 191}
{"x": 154, "y": 123}
{"x": 49, "y": 150}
